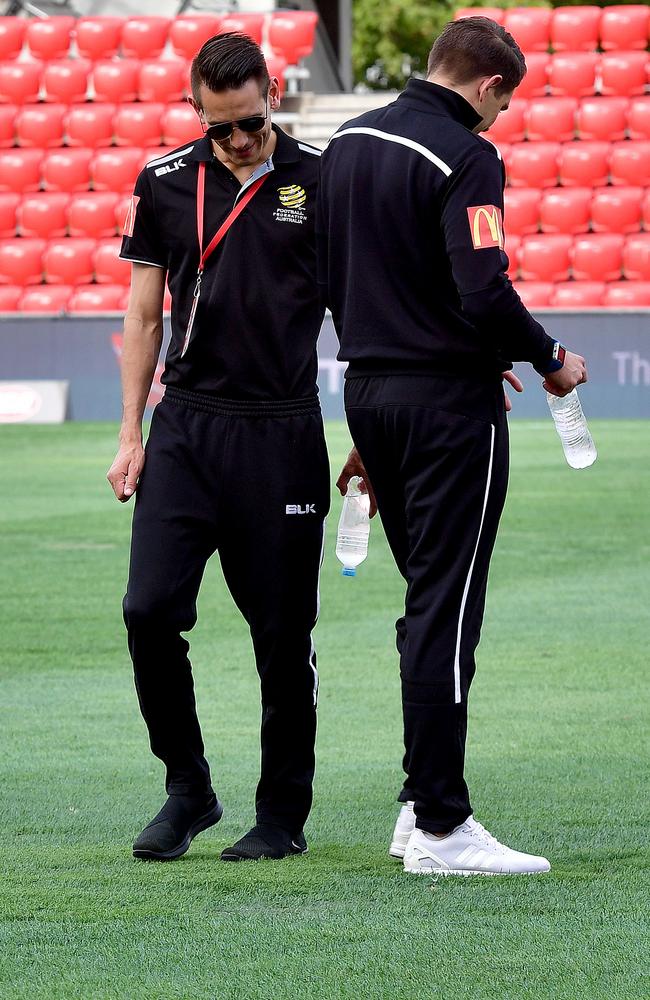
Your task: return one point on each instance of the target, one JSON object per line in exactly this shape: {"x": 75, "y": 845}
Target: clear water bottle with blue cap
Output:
{"x": 354, "y": 528}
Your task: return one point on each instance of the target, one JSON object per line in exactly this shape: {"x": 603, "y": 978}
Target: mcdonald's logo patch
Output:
{"x": 485, "y": 226}
{"x": 129, "y": 222}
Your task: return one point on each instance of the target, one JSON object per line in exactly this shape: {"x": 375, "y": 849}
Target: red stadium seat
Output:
{"x": 638, "y": 118}
{"x": 8, "y": 114}
{"x": 180, "y": 124}
{"x": 530, "y": 27}
{"x": 12, "y": 34}
{"x": 276, "y": 66}
{"x": 573, "y": 74}
{"x": 603, "y": 118}
{"x": 625, "y": 27}
{"x": 636, "y": 257}
{"x": 535, "y": 294}
{"x": 584, "y": 164}
{"x": 645, "y": 210}
{"x": 521, "y": 215}
{"x": 21, "y": 262}
{"x": 116, "y": 169}
{"x": 249, "y": 24}
{"x": 575, "y": 29}
{"x": 162, "y": 81}
{"x": 121, "y": 208}
{"x": 291, "y": 34}
{"x": 96, "y": 298}
{"x": 189, "y": 32}
{"x": 629, "y": 163}
{"x": 566, "y": 210}
{"x": 98, "y": 37}
{"x": 623, "y": 294}
{"x": 44, "y": 214}
{"x": 66, "y": 80}
{"x": 535, "y": 82}
{"x": 69, "y": 261}
{"x": 20, "y": 82}
{"x": 510, "y": 126}
{"x": 551, "y": 119}
{"x": 597, "y": 257}
{"x": 534, "y": 164}
{"x": 494, "y": 13}
{"x": 90, "y": 125}
{"x": 145, "y": 37}
{"x": 616, "y": 210}
{"x": 138, "y": 124}
{"x": 512, "y": 248}
{"x": 116, "y": 81}
{"x": 40, "y": 125}
{"x": 45, "y": 299}
{"x": 93, "y": 214}
{"x": 67, "y": 169}
{"x": 110, "y": 269}
{"x": 10, "y": 297}
{"x": 49, "y": 37}
{"x": 623, "y": 73}
{"x": 545, "y": 258}
{"x": 9, "y": 202}
{"x": 20, "y": 169}
{"x": 578, "y": 294}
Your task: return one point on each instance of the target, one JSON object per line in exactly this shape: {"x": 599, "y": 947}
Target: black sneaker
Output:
{"x": 265, "y": 841}
{"x": 171, "y": 832}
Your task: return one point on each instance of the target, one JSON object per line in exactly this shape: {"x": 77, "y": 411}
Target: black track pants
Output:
{"x": 436, "y": 452}
{"x": 251, "y": 481}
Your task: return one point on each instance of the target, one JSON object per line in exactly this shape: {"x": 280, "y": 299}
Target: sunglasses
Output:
{"x": 255, "y": 123}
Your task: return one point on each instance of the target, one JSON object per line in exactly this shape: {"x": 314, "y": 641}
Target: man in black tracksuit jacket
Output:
{"x": 410, "y": 236}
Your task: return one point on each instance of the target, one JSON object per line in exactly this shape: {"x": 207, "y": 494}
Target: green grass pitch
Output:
{"x": 557, "y": 759}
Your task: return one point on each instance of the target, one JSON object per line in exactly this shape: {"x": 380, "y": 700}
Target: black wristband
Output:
{"x": 556, "y": 362}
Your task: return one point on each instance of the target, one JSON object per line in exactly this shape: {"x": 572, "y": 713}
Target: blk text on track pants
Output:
{"x": 250, "y": 481}
{"x": 436, "y": 451}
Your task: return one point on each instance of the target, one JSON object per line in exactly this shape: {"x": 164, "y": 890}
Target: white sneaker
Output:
{"x": 403, "y": 829}
{"x": 468, "y": 850}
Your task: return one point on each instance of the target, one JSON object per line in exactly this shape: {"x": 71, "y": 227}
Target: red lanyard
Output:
{"x": 216, "y": 239}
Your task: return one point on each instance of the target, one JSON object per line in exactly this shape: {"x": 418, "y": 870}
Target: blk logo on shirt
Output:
{"x": 485, "y": 226}
{"x": 297, "y": 508}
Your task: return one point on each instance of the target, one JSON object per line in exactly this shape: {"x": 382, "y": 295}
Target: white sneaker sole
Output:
{"x": 397, "y": 850}
{"x": 464, "y": 872}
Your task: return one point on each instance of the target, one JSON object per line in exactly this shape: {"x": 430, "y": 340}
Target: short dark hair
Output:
{"x": 228, "y": 62}
{"x": 478, "y": 46}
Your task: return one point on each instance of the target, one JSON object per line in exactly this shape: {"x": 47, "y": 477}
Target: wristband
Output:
{"x": 556, "y": 362}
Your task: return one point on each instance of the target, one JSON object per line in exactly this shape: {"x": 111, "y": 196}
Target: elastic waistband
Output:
{"x": 242, "y": 407}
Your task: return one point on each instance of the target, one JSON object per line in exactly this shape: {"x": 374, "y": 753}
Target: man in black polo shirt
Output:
{"x": 236, "y": 459}
{"x": 411, "y": 251}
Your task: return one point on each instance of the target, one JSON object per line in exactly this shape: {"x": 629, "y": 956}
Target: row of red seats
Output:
{"x": 73, "y": 260}
{"x": 96, "y": 125}
{"x": 290, "y": 33}
{"x": 577, "y": 164}
{"x": 577, "y": 210}
{"x": 120, "y": 81}
{"x": 584, "y": 294}
{"x": 571, "y": 29}
{"x": 51, "y": 214}
{"x": 592, "y": 257}
{"x": 114, "y": 298}
{"x": 582, "y": 74}
{"x": 561, "y": 119}
{"x": 65, "y": 169}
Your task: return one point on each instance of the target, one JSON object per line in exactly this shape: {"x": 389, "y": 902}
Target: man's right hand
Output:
{"x": 572, "y": 373}
{"x": 125, "y": 470}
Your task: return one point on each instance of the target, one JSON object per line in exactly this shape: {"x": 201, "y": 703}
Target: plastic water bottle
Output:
{"x": 354, "y": 528}
{"x": 579, "y": 448}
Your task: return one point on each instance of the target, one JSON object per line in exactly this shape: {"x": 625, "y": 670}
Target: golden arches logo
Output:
{"x": 293, "y": 196}
{"x": 490, "y": 234}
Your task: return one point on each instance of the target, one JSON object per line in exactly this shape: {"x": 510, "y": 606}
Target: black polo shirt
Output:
{"x": 258, "y": 316}
{"x": 411, "y": 242}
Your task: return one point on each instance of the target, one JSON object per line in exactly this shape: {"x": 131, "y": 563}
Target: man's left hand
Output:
{"x": 516, "y": 384}
{"x": 354, "y": 467}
